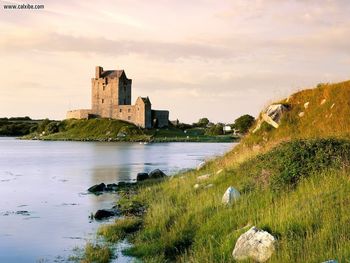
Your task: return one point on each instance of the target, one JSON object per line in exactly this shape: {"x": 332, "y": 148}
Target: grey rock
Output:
{"x": 231, "y": 195}
{"x": 255, "y": 244}
{"x": 97, "y": 188}
{"x": 105, "y": 213}
{"x": 142, "y": 176}
{"x": 155, "y": 174}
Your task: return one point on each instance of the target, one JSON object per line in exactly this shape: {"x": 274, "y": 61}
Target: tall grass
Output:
{"x": 310, "y": 218}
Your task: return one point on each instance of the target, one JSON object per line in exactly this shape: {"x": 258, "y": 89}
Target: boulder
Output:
{"x": 230, "y": 195}
{"x": 271, "y": 115}
{"x": 203, "y": 177}
{"x": 255, "y": 244}
{"x": 111, "y": 187}
{"x": 105, "y": 213}
{"x": 142, "y": 176}
{"x": 97, "y": 188}
{"x": 200, "y": 165}
{"x": 155, "y": 174}
{"x": 196, "y": 186}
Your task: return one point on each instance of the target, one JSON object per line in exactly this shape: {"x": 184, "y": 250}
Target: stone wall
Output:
{"x": 78, "y": 114}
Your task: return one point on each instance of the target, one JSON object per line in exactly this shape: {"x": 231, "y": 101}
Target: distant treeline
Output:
{"x": 19, "y": 126}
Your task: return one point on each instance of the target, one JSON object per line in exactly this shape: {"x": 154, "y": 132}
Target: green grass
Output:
{"x": 309, "y": 218}
{"x": 108, "y": 130}
{"x": 96, "y": 254}
{"x": 120, "y": 228}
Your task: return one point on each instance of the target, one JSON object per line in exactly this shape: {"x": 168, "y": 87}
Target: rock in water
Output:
{"x": 105, "y": 213}
{"x": 142, "y": 176}
{"x": 230, "y": 196}
{"x": 155, "y": 174}
{"x": 97, "y": 188}
{"x": 254, "y": 244}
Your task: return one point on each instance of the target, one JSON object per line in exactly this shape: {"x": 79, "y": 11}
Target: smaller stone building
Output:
{"x": 111, "y": 98}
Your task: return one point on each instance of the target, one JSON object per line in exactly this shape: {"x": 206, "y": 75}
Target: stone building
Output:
{"x": 111, "y": 98}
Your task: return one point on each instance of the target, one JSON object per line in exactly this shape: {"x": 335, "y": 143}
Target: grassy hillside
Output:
{"x": 294, "y": 183}
{"x": 116, "y": 130}
{"x": 327, "y": 114}
{"x": 94, "y": 129}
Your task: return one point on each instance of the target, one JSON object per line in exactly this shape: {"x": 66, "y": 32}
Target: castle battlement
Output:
{"x": 111, "y": 98}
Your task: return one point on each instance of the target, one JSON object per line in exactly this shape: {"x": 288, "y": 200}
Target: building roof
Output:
{"x": 112, "y": 73}
{"x": 145, "y": 100}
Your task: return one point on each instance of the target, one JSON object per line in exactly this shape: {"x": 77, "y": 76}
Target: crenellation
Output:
{"x": 111, "y": 98}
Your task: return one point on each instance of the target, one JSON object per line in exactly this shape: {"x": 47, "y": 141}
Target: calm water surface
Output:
{"x": 44, "y": 206}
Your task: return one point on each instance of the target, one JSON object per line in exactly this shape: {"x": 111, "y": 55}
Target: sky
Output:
{"x": 197, "y": 58}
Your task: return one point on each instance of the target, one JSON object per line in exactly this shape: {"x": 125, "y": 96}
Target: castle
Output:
{"x": 111, "y": 98}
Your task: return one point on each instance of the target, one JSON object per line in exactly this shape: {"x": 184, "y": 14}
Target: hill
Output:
{"x": 293, "y": 182}
{"x": 117, "y": 130}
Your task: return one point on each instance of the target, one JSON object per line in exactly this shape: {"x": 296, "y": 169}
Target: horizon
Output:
{"x": 196, "y": 59}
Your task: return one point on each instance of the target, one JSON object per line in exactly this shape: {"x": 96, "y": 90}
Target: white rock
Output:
{"x": 208, "y": 186}
{"x": 331, "y": 261}
{"x": 301, "y": 114}
{"x": 255, "y": 244}
{"x": 230, "y": 196}
{"x": 200, "y": 165}
{"x": 306, "y": 105}
{"x": 203, "y": 177}
{"x": 323, "y": 101}
{"x": 196, "y": 186}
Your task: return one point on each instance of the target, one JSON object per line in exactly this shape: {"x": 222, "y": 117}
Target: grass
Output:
{"x": 120, "y": 228}
{"x": 309, "y": 218}
{"x": 96, "y": 254}
{"x": 294, "y": 183}
{"x": 112, "y": 130}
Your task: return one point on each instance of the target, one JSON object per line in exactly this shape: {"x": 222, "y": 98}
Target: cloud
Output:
{"x": 54, "y": 42}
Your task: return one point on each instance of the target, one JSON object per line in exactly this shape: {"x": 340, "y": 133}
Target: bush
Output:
{"x": 298, "y": 159}
{"x": 243, "y": 123}
{"x": 217, "y": 129}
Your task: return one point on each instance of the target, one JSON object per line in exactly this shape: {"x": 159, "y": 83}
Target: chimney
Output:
{"x": 98, "y": 72}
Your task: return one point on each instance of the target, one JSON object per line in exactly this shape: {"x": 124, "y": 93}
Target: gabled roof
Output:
{"x": 112, "y": 73}
{"x": 145, "y": 100}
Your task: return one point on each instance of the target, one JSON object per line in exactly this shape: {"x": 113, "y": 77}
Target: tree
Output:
{"x": 203, "y": 122}
{"x": 243, "y": 123}
{"x": 217, "y": 129}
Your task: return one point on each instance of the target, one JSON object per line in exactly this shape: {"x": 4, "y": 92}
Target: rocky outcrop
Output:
{"x": 105, "y": 213}
{"x": 142, "y": 177}
{"x": 101, "y": 188}
{"x": 230, "y": 196}
{"x": 155, "y": 174}
{"x": 255, "y": 244}
{"x": 97, "y": 188}
{"x": 271, "y": 115}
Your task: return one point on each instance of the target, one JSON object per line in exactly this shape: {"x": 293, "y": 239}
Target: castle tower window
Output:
{"x": 129, "y": 118}
{"x": 103, "y": 101}
{"x": 104, "y": 87}
{"x": 129, "y": 110}
{"x": 120, "y": 110}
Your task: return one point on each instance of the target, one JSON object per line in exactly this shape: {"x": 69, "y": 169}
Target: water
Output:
{"x": 44, "y": 207}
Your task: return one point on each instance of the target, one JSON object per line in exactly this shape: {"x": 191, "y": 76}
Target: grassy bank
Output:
{"x": 294, "y": 183}
{"x": 116, "y": 130}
